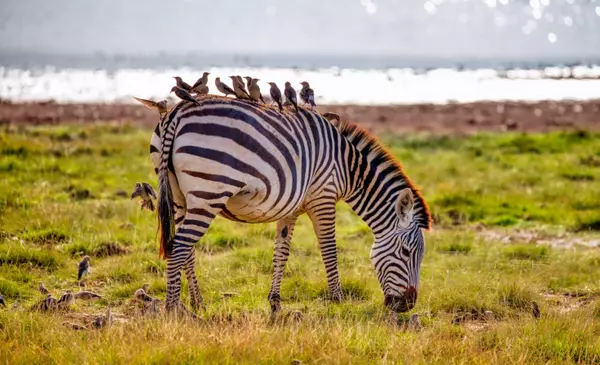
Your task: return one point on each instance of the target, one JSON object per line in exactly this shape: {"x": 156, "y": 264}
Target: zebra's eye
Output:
{"x": 405, "y": 252}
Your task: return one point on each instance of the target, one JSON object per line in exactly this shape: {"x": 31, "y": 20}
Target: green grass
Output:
{"x": 64, "y": 194}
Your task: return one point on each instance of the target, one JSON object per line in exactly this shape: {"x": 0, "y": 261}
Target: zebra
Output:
{"x": 252, "y": 163}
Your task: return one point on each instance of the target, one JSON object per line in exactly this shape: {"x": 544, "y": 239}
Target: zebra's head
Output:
{"x": 397, "y": 254}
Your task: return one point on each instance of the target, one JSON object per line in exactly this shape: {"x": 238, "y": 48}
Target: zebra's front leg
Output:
{"x": 195, "y": 224}
{"x": 322, "y": 214}
{"x": 285, "y": 229}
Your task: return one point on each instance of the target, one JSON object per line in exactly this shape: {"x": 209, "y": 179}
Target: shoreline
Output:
{"x": 453, "y": 118}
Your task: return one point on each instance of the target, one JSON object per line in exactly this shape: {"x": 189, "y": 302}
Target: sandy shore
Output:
{"x": 451, "y": 118}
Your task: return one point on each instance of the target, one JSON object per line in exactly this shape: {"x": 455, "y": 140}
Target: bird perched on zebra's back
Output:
{"x": 66, "y": 299}
{"x": 182, "y": 84}
{"x": 201, "y": 86}
{"x": 222, "y": 87}
{"x": 290, "y": 95}
{"x": 83, "y": 268}
{"x": 276, "y": 95}
{"x": 161, "y": 106}
{"x": 238, "y": 88}
{"x": 307, "y": 94}
{"x": 42, "y": 289}
{"x": 184, "y": 95}
{"x": 254, "y": 91}
{"x": 248, "y": 82}
{"x": 146, "y": 192}
{"x": 87, "y": 295}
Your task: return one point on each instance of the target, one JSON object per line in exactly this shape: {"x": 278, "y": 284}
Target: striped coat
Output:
{"x": 252, "y": 163}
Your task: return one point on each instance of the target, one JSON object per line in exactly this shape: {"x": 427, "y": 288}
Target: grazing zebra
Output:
{"x": 252, "y": 163}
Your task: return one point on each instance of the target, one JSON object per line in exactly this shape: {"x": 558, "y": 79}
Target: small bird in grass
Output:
{"x": 276, "y": 95}
{"x": 307, "y": 94}
{"x": 254, "y": 91}
{"x": 142, "y": 296}
{"x": 146, "y": 286}
{"x": 222, "y": 87}
{"x": 201, "y": 86}
{"x": 87, "y": 295}
{"x": 182, "y": 84}
{"x": 161, "y": 106}
{"x": 238, "y": 88}
{"x": 102, "y": 321}
{"x": 290, "y": 95}
{"x": 49, "y": 303}
{"x": 2, "y": 301}
{"x": 184, "y": 95}
{"x": 146, "y": 192}
{"x": 83, "y": 268}
{"x": 42, "y": 289}
{"x": 66, "y": 299}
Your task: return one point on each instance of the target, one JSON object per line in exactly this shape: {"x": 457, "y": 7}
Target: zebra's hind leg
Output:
{"x": 285, "y": 229}
{"x": 197, "y": 219}
{"x": 196, "y": 300}
{"x": 322, "y": 214}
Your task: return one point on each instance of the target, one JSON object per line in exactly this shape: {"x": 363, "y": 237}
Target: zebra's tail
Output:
{"x": 166, "y": 221}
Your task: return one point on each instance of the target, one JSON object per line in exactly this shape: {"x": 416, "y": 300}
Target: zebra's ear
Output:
{"x": 404, "y": 205}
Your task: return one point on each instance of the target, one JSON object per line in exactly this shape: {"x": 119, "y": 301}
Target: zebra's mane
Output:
{"x": 374, "y": 151}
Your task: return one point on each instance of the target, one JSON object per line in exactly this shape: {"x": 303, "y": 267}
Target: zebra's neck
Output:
{"x": 374, "y": 181}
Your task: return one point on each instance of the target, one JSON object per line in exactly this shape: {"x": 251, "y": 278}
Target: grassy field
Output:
{"x": 517, "y": 222}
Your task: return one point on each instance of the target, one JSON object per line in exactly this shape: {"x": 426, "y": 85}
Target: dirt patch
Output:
{"x": 569, "y": 302}
{"x": 455, "y": 118}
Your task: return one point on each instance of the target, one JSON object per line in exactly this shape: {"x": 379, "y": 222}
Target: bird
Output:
{"x": 66, "y": 299}
{"x": 102, "y": 321}
{"x": 161, "y": 106}
{"x": 42, "y": 289}
{"x": 290, "y": 95}
{"x": 146, "y": 286}
{"x": 248, "y": 81}
{"x": 146, "y": 192}
{"x": 222, "y": 87}
{"x": 182, "y": 84}
{"x": 84, "y": 267}
{"x": 276, "y": 95}
{"x": 141, "y": 295}
{"x": 307, "y": 94}
{"x": 238, "y": 88}
{"x": 254, "y": 91}
{"x": 184, "y": 95}
{"x": 2, "y": 301}
{"x": 87, "y": 295}
{"x": 48, "y": 303}
{"x": 201, "y": 86}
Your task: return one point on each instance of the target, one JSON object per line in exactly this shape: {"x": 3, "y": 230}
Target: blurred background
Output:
{"x": 352, "y": 52}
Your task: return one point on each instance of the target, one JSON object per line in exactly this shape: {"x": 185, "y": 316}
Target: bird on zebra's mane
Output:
{"x": 182, "y": 84}
{"x": 2, "y": 301}
{"x": 276, "y": 95}
{"x": 307, "y": 94}
{"x": 238, "y": 88}
{"x": 87, "y": 295}
{"x": 222, "y": 87}
{"x": 290, "y": 95}
{"x": 83, "y": 268}
{"x": 42, "y": 289}
{"x": 161, "y": 106}
{"x": 146, "y": 192}
{"x": 201, "y": 86}
{"x": 184, "y": 95}
{"x": 254, "y": 91}
{"x": 66, "y": 299}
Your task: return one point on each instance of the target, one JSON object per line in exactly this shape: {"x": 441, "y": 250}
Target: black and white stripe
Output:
{"x": 255, "y": 164}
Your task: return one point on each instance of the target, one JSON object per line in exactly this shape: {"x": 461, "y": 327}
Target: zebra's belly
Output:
{"x": 249, "y": 206}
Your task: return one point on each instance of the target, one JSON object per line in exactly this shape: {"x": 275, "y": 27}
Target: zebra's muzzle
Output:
{"x": 402, "y": 303}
